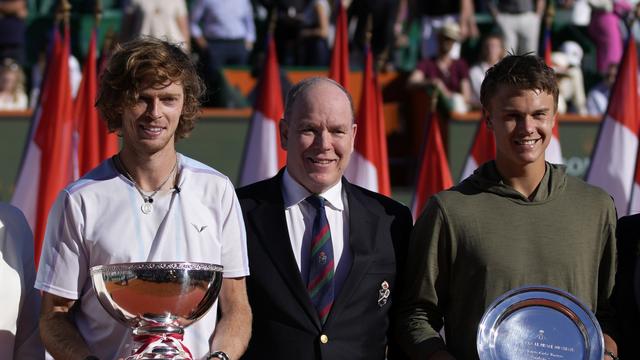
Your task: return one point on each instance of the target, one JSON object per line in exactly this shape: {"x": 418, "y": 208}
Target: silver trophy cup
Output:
{"x": 157, "y": 300}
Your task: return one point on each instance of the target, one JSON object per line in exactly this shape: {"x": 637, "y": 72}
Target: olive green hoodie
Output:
{"x": 482, "y": 238}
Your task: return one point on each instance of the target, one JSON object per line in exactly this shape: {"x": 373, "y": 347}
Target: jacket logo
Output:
{"x": 199, "y": 228}
{"x": 383, "y": 293}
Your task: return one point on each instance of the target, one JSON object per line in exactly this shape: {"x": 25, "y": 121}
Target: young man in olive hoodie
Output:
{"x": 516, "y": 221}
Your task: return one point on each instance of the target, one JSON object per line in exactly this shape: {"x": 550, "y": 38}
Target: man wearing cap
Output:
{"x": 566, "y": 64}
{"x": 323, "y": 253}
{"x": 436, "y": 13}
{"x": 447, "y": 76}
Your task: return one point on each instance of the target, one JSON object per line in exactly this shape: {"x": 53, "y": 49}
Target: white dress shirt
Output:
{"x": 300, "y": 214}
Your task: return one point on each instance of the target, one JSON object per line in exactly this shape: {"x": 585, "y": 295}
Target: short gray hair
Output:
{"x": 306, "y": 84}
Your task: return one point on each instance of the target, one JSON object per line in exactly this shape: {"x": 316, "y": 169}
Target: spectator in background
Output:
{"x": 491, "y": 51}
{"x": 288, "y": 25}
{"x": 567, "y": 64}
{"x": 314, "y": 34}
{"x": 598, "y": 97}
{"x": 224, "y": 34}
{"x": 12, "y": 86}
{"x": 519, "y": 21}
{"x": 447, "y": 76}
{"x": 166, "y": 20}
{"x": 12, "y": 29}
{"x": 604, "y": 30}
{"x": 436, "y": 13}
{"x": 19, "y": 300}
{"x": 223, "y": 30}
{"x": 383, "y": 15}
{"x": 37, "y": 75}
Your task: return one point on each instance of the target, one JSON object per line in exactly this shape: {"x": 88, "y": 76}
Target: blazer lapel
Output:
{"x": 271, "y": 230}
{"x": 362, "y": 239}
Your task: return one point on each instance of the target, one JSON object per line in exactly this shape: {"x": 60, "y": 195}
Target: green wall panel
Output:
{"x": 219, "y": 142}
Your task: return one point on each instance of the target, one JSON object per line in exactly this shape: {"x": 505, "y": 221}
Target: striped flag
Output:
{"x": 339, "y": 68}
{"x": 482, "y": 150}
{"x": 47, "y": 166}
{"x": 546, "y": 45}
{"x": 434, "y": 174}
{"x": 553, "y": 153}
{"x": 613, "y": 162}
{"x": 369, "y": 165}
{"x": 263, "y": 155}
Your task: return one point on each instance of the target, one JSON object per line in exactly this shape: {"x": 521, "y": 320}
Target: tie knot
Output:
{"x": 316, "y": 201}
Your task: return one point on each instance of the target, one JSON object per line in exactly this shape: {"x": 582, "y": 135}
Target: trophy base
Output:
{"x": 161, "y": 342}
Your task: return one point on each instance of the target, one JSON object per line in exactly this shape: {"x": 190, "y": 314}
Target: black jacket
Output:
{"x": 285, "y": 323}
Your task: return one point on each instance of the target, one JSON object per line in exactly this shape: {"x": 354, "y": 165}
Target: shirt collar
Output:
{"x": 293, "y": 193}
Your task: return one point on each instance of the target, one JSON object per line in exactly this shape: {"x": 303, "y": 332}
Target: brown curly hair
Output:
{"x": 143, "y": 63}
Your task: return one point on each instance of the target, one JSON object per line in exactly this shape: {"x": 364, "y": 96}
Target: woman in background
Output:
{"x": 12, "y": 88}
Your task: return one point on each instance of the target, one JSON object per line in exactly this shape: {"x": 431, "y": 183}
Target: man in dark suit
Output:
{"x": 308, "y": 216}
{"x": 626, "y": 292}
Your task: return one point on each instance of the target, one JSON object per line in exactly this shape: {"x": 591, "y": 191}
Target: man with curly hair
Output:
{"x": 147, "y": 203}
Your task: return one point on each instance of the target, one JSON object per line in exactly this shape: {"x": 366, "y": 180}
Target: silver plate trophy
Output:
{"x": 539, "y": 323}
{"x": 157, "y": 300}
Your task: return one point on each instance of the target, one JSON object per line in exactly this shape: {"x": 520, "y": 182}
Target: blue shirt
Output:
{"x": 223, "y": 19}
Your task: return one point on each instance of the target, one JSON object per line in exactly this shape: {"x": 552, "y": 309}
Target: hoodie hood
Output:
{"x": 486, "y": 178}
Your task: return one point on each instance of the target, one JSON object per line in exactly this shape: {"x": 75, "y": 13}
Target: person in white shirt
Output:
{"x": 491, "y": 51}
{"x": 19, "y": 300}
{"x": 598, "y": 96}
{"x": 166, "y": 20}
{"x": 12, "y": 86}
{"x": 147, "y": 203}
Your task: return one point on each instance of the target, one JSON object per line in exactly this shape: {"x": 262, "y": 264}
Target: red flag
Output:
{"x": 109, "y": 143}
{"x": 339, "y": 68}
{"x": 434, "y": 174}
{"x": 48, "y": 165}
{"x": 263, "y": 155}
{"x": 482, "y": 150}
{"x": 86, "y": 115}
{"x": 547, "y": 46}
{"x": 613, "y": 162}
{"x": 384, "y": 181}
{"x": 369, "y": 162}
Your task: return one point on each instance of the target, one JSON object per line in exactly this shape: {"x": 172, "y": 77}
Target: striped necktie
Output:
{"x": 320, "y": 283}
